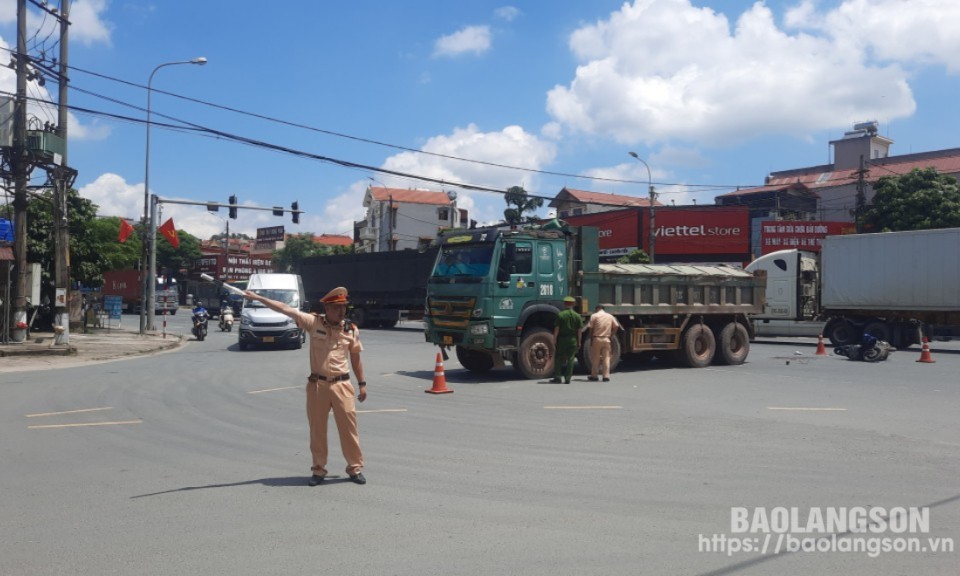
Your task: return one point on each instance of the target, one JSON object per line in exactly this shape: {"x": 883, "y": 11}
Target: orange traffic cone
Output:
{"x": 925, "y": 352}
{"x": 439, "y": 380}
{"x": 821, "y": 350}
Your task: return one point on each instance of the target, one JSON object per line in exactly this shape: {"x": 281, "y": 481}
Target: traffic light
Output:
{"x": 233, "y": 207}
{"x": 212, "y": 207}
{"x": 295, "y": 210}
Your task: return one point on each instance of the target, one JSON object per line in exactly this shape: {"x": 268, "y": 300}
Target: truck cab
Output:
{"x": 491, "y": 287}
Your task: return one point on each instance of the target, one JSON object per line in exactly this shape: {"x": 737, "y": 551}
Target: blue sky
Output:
{"x": 711, "y": 94}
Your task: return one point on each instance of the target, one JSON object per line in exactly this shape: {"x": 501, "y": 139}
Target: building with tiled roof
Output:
{"x": 572, "y": 202}
{"x": 398, "y": 218}
{"x": 828, "y": 192}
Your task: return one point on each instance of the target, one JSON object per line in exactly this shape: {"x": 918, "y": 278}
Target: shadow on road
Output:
{"x": 280, "y": 482}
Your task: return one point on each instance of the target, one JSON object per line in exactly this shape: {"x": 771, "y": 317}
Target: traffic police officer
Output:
{"x": 566, "y": 334}
{"x": 333, "y": 341}
{"x": 603, "y": 327}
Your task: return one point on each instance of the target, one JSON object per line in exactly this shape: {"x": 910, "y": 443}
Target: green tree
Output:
{"x": 636, "y": 257}
{"x": 86, "y": 262}
{"x": 920, "y": 200}
{"x": 104, "y": 235}
{"x": 177, "y": 260}
{"x": 518, "y": 203}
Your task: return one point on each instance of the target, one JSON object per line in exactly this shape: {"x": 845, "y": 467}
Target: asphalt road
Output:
{"x": 195, "y": 462}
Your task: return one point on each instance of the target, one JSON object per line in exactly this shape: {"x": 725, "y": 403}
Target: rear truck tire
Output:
{"x": 536, "y": 354}
{"x": 879, "y": 330}
{"x": 359, "y": 317}
{"x": 841, "y": 332}
{"x": 734, "y": 344}
{"x": 474, "y": 361}
{"x": 586, "y": 363}
{"x": 698, "y": 346}
{"x": 389, "y": 323}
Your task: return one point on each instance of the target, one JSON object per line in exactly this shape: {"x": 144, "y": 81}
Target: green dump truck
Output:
{"x": 494, "y": 293}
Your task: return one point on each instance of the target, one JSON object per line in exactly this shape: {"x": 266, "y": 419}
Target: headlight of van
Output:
{"x": 478, "y": 329}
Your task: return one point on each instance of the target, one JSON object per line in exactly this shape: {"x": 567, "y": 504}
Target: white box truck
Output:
{"x": 886, "y": 284}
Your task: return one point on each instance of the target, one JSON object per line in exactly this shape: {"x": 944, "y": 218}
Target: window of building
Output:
{"x": 577, "y": 211}
{"x": 564, "y": 213}
{"x": 443, "y": 214}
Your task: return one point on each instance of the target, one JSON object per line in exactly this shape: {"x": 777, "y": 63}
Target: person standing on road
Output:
{"x": 603, "y": 328}
{"x": 566, "y": 334}
{"x": 333, "y": 341}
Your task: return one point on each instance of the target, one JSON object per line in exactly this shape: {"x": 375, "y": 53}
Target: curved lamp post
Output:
{"x": 148, "y": 291}
{"x": 653, "y": 201}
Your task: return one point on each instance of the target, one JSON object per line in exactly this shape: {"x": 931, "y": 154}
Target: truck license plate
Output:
{"x": 448, "y": 340}
{"x": 268, "y": 338}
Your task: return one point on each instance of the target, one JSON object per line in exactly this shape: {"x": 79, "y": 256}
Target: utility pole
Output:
{"x": 60, "y": 187}
{"x": 19, "y": 166}
{"x": 861, "y": 197}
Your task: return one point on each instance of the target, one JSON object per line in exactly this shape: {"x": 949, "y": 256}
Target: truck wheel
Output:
{"x": 536, "y": 354}
{"x": 359, "y": 317}
{"x": 698, "y": 346}
{"x": 474, "y": 361}
{"x": 879, "y": 330}
{"x": 586, "y": 363}
{"x": 841, "y": 333}
{"x": 734, "y": 344}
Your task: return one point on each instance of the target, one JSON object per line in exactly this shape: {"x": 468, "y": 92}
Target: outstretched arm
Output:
{"x": 271, "y": 304}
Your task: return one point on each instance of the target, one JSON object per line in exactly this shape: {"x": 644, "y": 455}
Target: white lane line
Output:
{"x": 273, "y": 389}
{"x": 383, "y": 410}
{"x": 801, "y": 409}
{"x": 87, "y": 424}
{"x": 582, "y": 407}
{"x": 67, "y": 412}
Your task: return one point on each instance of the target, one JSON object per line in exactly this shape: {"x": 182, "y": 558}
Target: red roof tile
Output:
{"x": 409, "y": 196}
{"x": 603, "y": 198}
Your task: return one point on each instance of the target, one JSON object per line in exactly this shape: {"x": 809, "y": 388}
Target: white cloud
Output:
{"x": 664, "y": 69}
{"x": 8, "y": 12}
{"x": 87, "y": 24}
{"x": 474, "y": 39}
{"x": 508, "y": 13}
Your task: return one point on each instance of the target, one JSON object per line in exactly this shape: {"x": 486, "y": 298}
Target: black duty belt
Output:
{"x": 314, "y": 377}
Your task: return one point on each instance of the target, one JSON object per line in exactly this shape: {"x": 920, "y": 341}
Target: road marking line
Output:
{"x": 273, "y": 389}
{"x": 799, "y": 409}
{"x": 87, "y": 424}
{"x": 67, "y": 412}
{"x": 384, "y": 410}
{"x": 582, "y": 407}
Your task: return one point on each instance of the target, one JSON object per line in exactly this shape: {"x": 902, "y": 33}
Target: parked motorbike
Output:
{"x": 870, "y": 349}
{"x": 226, "y": 319}
{"x": 200, "y": 320}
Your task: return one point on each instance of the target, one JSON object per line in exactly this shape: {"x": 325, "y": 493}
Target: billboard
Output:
{"x": 683, "y": 233}
{"x": 801, "y": 235}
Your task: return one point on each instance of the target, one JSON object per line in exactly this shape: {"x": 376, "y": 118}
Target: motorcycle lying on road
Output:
{"x": 226, "y": 319}
{"x": 870, "y": 349}
{"x": 200, "y": 324}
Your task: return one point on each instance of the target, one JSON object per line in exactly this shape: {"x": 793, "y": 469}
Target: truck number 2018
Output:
{"x": 546, "y": 289}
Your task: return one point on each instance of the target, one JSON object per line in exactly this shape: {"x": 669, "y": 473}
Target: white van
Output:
{"x": 261, "y": 325}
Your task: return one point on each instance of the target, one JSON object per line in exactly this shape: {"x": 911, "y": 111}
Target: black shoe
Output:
{"x": 592, "y": 378}
{"x": 358, "y": 478}
{"x": 554, "y": 380}
{"x": 315, "y": 480}
{"x": 606, "y": 379}
{"x": 566, "y": 381}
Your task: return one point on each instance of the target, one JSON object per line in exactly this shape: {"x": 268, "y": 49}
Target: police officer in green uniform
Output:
{"x": 566, "y": 333}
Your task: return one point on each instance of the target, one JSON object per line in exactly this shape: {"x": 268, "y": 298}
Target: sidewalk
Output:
{"x": 96, "y": 345}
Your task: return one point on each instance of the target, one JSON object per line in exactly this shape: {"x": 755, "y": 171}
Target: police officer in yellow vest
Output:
{"x": 333, "y": 341}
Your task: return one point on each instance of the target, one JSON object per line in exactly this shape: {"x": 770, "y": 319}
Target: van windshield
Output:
{"x": 288, "y": 297}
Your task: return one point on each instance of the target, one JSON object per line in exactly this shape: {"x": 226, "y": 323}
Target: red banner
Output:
{"x": 619, "y": 230}
{"x": 800, "y": 235}
{"x": 125, "y": 230}
{"x": 169, "y": 232}
{"x": 706, "y": 230}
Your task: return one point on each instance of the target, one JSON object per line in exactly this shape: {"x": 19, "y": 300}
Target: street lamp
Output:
{"x": 653, "y": 210}
{"x": 148, "y": 291}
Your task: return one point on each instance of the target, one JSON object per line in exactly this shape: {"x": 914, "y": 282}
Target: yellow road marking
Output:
{"x": 87, "y": 424}
{"x": 800, "y": 409}
{"x": 67, "y": 412}
{"x": 384, "y": 410}
{"x": 273, "y": 389}
{"x": 582, "y": 407}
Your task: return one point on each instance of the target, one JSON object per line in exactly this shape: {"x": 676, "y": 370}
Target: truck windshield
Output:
{"x": 288, "y": 297}
{"x": 468, "y": 261}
